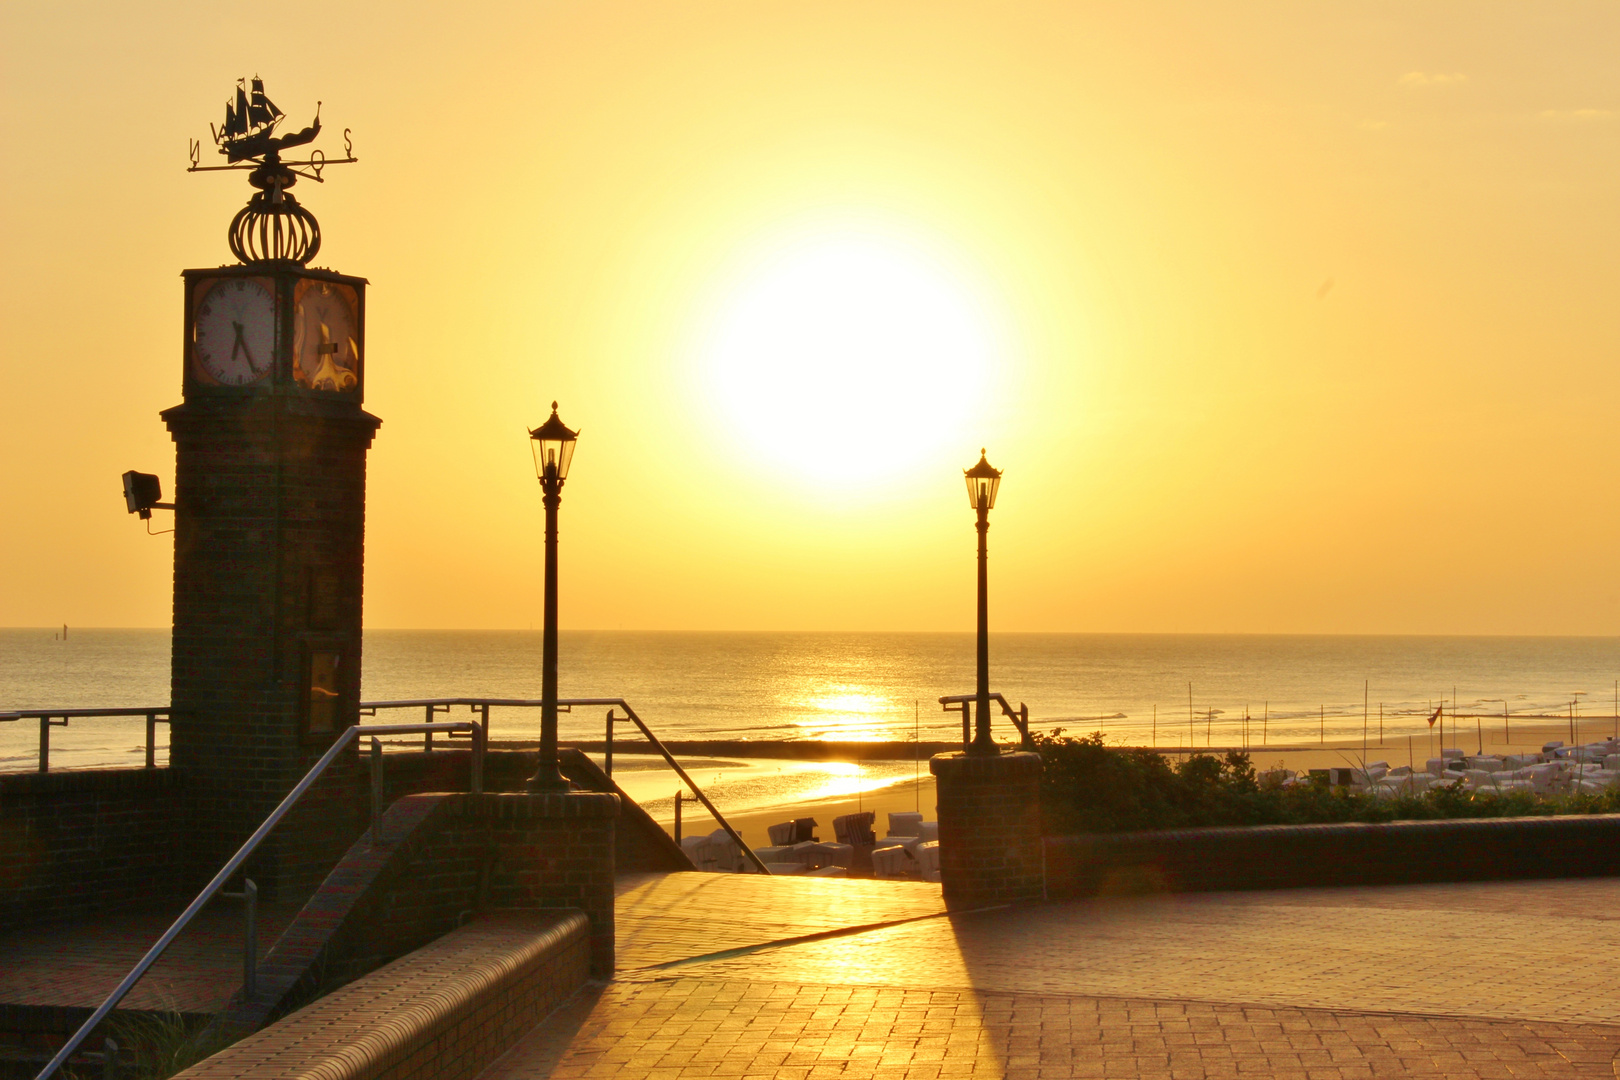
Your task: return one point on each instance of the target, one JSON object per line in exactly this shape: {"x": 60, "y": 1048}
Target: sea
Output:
{"x": 1168, "y": 690}
{"x": 1134, "y": 688}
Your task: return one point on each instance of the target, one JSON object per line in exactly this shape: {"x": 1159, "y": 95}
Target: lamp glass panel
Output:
{"x": 982, "y": 491}
{"x": 557, "y": 451}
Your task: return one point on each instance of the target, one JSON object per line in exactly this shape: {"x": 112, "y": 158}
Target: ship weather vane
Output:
{"x": 272, "y": 227}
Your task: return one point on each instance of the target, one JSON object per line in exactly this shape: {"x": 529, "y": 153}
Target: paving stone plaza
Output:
{"x": 1480, "y": 980}
{"x": 744, "y": 976}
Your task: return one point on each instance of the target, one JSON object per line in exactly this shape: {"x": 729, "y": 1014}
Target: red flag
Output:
{"x": 1435, "y": 717}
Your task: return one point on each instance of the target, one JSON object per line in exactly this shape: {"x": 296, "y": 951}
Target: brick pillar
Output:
{"x": 989, "y": 828}
{"x": 555, "y": 851}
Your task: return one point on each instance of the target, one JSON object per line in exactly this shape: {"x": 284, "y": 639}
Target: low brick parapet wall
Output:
{"x": 442, "y": 1012}
{"x": 1315, "y": 856}
{"x": 73, "y": 843}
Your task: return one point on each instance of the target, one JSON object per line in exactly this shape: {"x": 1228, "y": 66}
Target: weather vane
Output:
{"x": 272, "y": 226}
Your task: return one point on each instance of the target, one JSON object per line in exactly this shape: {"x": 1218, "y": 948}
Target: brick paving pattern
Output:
{"x": 1478, "y": 980}
{"x": 78, "y": 964}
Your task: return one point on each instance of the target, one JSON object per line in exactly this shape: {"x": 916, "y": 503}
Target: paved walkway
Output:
{"x": 715, "y": 979}
{"x": 76, "y": 965}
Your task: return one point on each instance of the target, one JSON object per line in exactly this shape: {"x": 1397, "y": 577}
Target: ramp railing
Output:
{"x": 434, "y": 706}
{"x": 1020, "y": 716}
{"x": 247, "y": 849}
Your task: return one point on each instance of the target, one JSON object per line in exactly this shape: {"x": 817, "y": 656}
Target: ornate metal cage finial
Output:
{"x": 272, "y": 227}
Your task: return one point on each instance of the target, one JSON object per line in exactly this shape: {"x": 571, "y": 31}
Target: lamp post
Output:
{"x": 553, "y": 446}
{"x": 982, "y": 482}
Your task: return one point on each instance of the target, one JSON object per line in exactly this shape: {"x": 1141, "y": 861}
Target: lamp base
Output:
{"x": 547, "y": 780}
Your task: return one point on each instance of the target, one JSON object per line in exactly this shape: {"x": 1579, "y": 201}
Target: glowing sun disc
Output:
{"x": 850, "y": 357}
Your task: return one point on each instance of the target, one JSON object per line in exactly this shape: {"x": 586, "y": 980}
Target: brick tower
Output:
{"x": 270, "y": 495}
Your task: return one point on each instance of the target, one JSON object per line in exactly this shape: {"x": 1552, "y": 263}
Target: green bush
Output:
{"x": 1087, "y": 787}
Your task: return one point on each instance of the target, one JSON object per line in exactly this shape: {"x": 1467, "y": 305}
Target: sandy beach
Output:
{"x": 752, "y": 824}
{"x": 1470, "y": 735}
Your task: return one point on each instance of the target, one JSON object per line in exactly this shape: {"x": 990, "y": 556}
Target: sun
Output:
{"x": 850, "y": 356}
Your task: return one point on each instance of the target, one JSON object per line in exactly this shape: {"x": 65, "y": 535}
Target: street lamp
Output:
{"x": 982, "y": 483}
{"x": 553, "y": 446}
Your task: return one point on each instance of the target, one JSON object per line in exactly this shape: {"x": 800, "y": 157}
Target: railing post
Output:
{"x": 109, "y": 1060}
{"x": 678, "y": 800}
{"x": 485, "y": 710}
{"x": 697, "y": 792}
{"x": 151, "y": 740}
{"x": 44, "y": 744}
{"x": 427, "y": 736}
{"x": 607, "y": 757}
{"x": 250, "y": 943}
{"x": 967, "y": 734}
{"x": 376, "y": 788}
{"x": 476, "y": 781}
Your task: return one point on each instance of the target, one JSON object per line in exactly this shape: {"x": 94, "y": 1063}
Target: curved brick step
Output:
{"x": 444, "y": 1011}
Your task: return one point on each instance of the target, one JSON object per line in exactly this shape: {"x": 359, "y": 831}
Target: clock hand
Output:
{"x": 241, "y": 345}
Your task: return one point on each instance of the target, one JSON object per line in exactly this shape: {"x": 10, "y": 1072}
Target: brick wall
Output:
{"x": 73, "y": 843}
{"x": 269, "y": 560}
{"x": 441, "y": 1013}
{"x": 989, "y": 828}
{"x": 437, "y": 860}
{"x": 1314, "y": 856}
{"x": 640, "y": 843}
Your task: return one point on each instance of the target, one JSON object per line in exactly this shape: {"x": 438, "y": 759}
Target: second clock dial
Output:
{"x": 326, "y": 347}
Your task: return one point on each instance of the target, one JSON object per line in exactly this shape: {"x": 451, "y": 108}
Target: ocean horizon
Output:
{"x": 873, "y": 685}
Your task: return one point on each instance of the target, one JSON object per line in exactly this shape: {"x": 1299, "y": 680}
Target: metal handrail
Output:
{"x": 247, "y": 849}
{"x": 433, "y": 705}
{"x": 1019, "y": 716}
{"x": 48, "y": 718}
{"x": 431, "y": 708}
{"x": 630, "y": 714}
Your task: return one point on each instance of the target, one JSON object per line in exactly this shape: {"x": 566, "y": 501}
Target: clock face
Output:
{"x": 233, "y": 331}
{"x": 326, "y": 339}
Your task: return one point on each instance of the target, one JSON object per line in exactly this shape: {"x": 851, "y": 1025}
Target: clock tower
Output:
{"x": 270, "y": 497}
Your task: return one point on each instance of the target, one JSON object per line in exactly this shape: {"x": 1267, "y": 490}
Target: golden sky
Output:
{"x": 1279, "y": 317}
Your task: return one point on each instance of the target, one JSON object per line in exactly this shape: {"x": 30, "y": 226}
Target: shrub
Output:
{"x": 1087, "y": 787}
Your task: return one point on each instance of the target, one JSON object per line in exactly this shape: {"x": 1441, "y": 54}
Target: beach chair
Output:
{"x": 892, "y": 861}
{"x": 784, "y": 869}
{"x": 928, "y": 859}
{"x": 807, "y": 854}
{"x": 781, "y": 834}
{"x": 728, "y": 857}
{"x": 828, "y": 871}
{"x": 928, "y": 830}
{"x": 834, "y": 854}
{"x": 904, "y": 824}
{"x": 700, "y": 851}
{"x": 804, "y": 830}
{"x": 855, "y": 829}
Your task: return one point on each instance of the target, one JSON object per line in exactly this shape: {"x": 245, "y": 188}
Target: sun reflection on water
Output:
{"x": 847, "y": 712}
